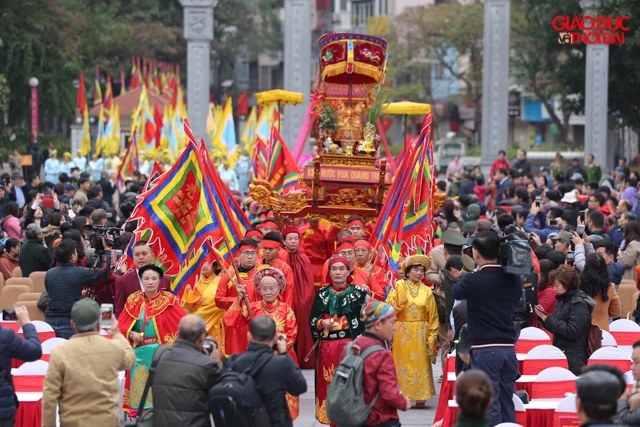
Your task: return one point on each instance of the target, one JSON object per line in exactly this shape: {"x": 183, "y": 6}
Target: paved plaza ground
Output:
{"x": 411, "y": 418}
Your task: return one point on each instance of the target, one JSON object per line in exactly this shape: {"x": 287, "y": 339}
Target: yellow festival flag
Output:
{"x": 249, "y": 133}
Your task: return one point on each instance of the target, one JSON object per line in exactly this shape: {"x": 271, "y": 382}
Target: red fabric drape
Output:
{"x": 623, "y": 365}
{"x": 625, "y": 338}
{"x": 540, "y": 417}
{"x": 28, "y": 383}
{"x": 303, "y": 300}
{"x": 29, "y": 414}
{"x": 535, "y": 366}
{"x": 523, "y": 346}
{"x": 552, "y": 390}
{"x": 568, "y": 419}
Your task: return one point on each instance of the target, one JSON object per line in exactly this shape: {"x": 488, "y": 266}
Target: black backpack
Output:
{"x": 235, "y": 400}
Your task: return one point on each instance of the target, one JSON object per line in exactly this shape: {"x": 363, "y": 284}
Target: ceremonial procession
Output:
{"x": 296, "y": 214}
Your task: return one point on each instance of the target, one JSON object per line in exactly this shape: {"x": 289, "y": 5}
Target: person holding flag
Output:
{"x": 230, "y": 288}
{"x": 363, "y": 262}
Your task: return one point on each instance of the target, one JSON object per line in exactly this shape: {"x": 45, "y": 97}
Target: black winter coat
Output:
{"x": 570, "y": 324}
{"x": 279, "y": 375}
{"x": 34, "y": 256}
{"x": 181, "y": 384}
{"x": 14, "y": 347}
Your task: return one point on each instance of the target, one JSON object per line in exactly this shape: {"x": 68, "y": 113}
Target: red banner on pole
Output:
{"x": 34, "y": 114}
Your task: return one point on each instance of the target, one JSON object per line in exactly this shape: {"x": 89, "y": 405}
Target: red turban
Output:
{"x": 253, "y": 233}
{"x": 338, "y": 259}
{"x": 364, "y": 244}
{"x": 289, "y": 230}
{"x": 356, "y": 221}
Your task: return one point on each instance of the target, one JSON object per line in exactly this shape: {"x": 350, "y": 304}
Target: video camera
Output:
{"x": 97, "y": 233}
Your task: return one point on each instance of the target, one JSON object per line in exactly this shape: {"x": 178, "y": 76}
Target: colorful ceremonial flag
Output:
{"x": 97, "y": 91}
{"x": 101, "y": 140}
{"x": 108, "y": 96}
{"x": 113, "y": 131}
{"x": 86, "y": 134}
{"x": 81, "y": 99}
{"x": 211, "y": 121}
{"x": 156, "y": 172}
{"x": 249, "y": 133}
{"x": 282, "y": 169}
{"x": 404, "y": 226}
{"x": 259, "y": 160}
{"x": 234, "y": 223}
{"x": 226, "y": 133}
{"x": 157, "y": 116}
{"x": 130, "y": 161}
{"x": 190, "y": 272}
{"x": 123, "y": 83}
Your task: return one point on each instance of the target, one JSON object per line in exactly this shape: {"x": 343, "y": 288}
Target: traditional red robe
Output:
{"x": 281, "y": 313}
{"x": 378, "y": 282}
{"x": 164, "y": 310}
{"x": 316, "y": 246}
{"x": 302, "y": 302}
{"x": 235, "y": 340}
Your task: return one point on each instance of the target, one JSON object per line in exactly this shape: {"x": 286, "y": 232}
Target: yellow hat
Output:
{"x": 67, "y": 154}
{"x": 54, "y": 153}
{"x": 416, "y": 260}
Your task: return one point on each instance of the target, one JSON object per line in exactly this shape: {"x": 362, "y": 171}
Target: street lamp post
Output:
{"x": 33, "y": 82}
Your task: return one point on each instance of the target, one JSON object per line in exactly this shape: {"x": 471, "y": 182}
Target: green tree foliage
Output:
{"x": 624, "y": 65}
{"x": 442, "y": 34}
{"x": 543, "y": 66}
{"x": 55, "y": 39}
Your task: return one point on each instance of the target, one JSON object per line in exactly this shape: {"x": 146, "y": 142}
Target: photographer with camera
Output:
{"x": 492, "y": 296}
{"x": 185, "y": 373}
{"x": 64, "y": 285}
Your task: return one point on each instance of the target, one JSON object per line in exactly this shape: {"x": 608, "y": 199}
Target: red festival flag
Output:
{"x": 282, "y": 169}
{"x": 81, "y": 99}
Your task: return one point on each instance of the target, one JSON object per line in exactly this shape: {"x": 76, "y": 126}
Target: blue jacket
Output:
{"x": 491, "y": 296}
{"x": 501, "y": 189}
{"x": 14, "y": 347}
{"x": 64, "y": 284}
{"x": 616, "y": 271}
{"x": 617, "y": 234}
{"x": 530, "y": 226}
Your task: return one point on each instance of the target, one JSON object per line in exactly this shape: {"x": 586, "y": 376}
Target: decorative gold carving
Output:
{"x": 348, "y": 161}
{"x": 349, "y": 126}
{"x": 262, "y": 192}
{"x": 347, "y": 197}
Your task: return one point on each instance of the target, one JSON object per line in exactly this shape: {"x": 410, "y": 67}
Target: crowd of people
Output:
{"x": 303, "y": 292}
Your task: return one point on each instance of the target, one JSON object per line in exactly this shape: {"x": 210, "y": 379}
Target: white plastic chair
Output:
{"x": 608, "y": 340}
{"x": 624, "y": 325}
{"x": 567, "y": 405}
{"x": 40, "y": 326}
{"x": 521, "y": 411}
{"x": 542, "y": 357}
{"x": 531, "y": 337}
{"x": 508, "y": 425}
{"x": 39, "y": 367}
{"x": 50, "y": 344}
{"x": 555, "y": 374}
{"x": 612, "y": 356}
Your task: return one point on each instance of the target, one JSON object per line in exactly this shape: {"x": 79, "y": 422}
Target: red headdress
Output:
{"x": 270, "y": 272}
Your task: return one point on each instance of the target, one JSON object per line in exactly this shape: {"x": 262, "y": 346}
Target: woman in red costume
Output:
{"x": 149, "y": 318}
{"x": 335, "y": 320}
{"x": 269, "y": 283}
